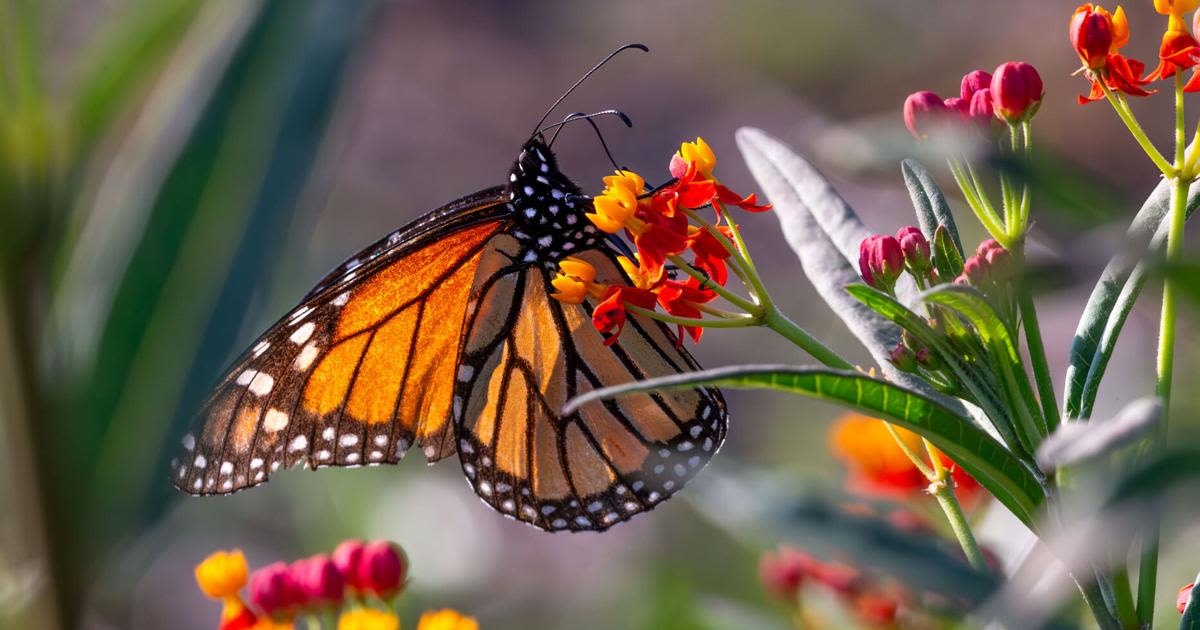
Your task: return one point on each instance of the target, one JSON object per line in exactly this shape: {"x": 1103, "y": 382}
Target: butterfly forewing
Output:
{"x": 359, "y": 372}
{"x": 524, "y": 356}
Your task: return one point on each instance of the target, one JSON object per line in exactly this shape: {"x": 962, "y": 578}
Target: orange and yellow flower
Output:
{"x": 576, "y": 280}
{"x": 878, "y": 465}
{"x": 368, "y": 619}
{"x": 1179, "y": 50}
{"x": 446, "y": 619}
{"x": 222, "y": 574}
{"x": 618, "y": 203}
{"x": 1091, "y": 27}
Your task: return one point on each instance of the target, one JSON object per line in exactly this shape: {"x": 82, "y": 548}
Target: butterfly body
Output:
{"x": 444, "y": 336}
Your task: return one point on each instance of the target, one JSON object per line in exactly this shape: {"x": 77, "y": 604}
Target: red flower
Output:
{"x": 880, "y": 261}
{"x": 923, "y": 111}
{"x": 273, "y": 590}
{"x": 1179, "y": 50}
{"x": 783, "y": 572}
{"x": 915, "y": 247}
{"x": 1091, "y": 33}
{"x": 319, "y": 580}
{"x": 1090, "y": 27}
{"x": 710, "y": 253}
{"x": 610, "y": 316}
{"x": 681, "y": 299}
{"x": 382, "y": 569}
{"x": 346, "y": 557}
{"x": 973, "y": 82}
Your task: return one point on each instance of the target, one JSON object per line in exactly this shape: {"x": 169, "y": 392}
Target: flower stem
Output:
{"x": 779, "y": 322}
{"x": 731, "y": 297}
{"x": 740, "y": 322}
{"x": 913, "y": 456}
{"x": 943, "y": 491}
{"x": 1037, "y": 354}
{"x": 1139, "y": 134}
{"x": 1148, "y": 573}
{"x": 985, "y": 213}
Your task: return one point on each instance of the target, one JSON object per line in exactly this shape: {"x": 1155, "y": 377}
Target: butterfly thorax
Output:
{"x": 547, "y": 208}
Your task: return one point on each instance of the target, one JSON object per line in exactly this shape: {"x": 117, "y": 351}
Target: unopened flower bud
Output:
{"x": 929, "y": 359}
{"x": 1091, "y": 35}
{"x": 222, "y": 574}
{"x": 903, "y": 358}
{"x": 1016, "y": 91}
{"x": 319, "y": 580}
{"x": 959, "y": 106}
{"x": 273, "y": 590}
{"x": 880, "y": 260}
{"x": 916, "y": 250}
{"x": 346, "y": 557}
{"x": 382, "y": 569}
{"x": 974, "y": 81}
{"x": 980, "y": 111}
{"x": 922, "y": 112}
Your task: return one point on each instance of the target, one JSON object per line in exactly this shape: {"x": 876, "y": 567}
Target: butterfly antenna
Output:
{"x": 558, "y": 127}
{"x": 641, "y": 47}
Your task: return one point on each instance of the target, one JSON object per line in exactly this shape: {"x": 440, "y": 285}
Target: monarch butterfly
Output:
{"x": 443, "y": 336}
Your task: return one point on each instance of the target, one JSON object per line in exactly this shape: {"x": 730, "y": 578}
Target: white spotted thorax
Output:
{"x": 547, "y": 208}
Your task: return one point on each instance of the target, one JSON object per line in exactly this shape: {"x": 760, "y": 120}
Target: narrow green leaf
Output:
{"x": 929, "y": 202}
{"x": 989, "y": 462}
{"x": 1076, "y": 442}
{"x": 947, "y": 259}
{"x": 1112, "y": 298}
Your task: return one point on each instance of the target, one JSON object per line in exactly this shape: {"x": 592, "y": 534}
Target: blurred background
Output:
{"x": 176, "y": 174}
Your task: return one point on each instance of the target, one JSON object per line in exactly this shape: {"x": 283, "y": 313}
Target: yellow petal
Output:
{"x": 604, "y": 223}
{"x": 578, "y": 268}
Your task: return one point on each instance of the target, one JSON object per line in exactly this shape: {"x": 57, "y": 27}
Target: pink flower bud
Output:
{"x": 319, "y": 580}
{"x": 880, "y": 260}
{"x": 974, "y": 81}
{"x": 347, "y": 557}
{"x": 1016, "y": 91}
{"x": 273, "y": 590}
{"x": 783, "y": 572}
{"x": 987, "y": 246}
{"x": 903, "y": 358}
{"x": 927, "y": 358}
{"x": 975, "y": 270}
{"x": 957, "y": 105}
{"x": 980, "y": 110}
{"x": 382, "y": 568}
{"x": 922, "y": 111}
{"x": 916, "y": 249}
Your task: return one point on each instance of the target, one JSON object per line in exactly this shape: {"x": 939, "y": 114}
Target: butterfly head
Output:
{"x": 547, "y": 206}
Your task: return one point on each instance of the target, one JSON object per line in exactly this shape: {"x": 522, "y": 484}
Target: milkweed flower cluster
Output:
{"x": 350, "y": 584}
{"x": 788, "y": 572}
{"x": 1011, "y": 94}
{"x": 664, "y": 226}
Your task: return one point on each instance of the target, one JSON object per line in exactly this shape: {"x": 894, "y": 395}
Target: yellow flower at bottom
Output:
{"x": 368, "y": 619}
{"x": 222, "y": 574}
{"x": 447, "y": 619}
{"x": 576, "y": 279}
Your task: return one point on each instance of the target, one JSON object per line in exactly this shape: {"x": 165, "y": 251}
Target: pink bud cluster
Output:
{"x": 989, "y": 265}
{"x": 355, "y": 568}
{"x": 1011, "y": 94}
{"x": 882, "y": 258}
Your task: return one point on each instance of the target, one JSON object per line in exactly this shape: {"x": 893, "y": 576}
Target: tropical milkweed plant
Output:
{"x": 963, "y": 391}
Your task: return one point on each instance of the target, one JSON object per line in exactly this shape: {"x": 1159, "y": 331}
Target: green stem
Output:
{"x": 1123, "y": 596}
{"x": 985, "y": 214}
{"x": 1037, "y": 356}
{"x": 731, "y": 297}
{"x": 1148, "y": 571}
{"x": 913, "y": 456}
{"x": 740, "y": 322}
{"x": 943, "y": 491}
{"x": 779, "y": 322}
{"x": 1139, "y": 134}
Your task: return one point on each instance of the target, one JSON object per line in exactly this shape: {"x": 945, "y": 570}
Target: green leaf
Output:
{"x": 1113, "y": 297}
{"x": 947, "y": 259}
{"x": 1076, "y": 442}
{"x": 929, "y": 202}
{"x": 989, "y": 462}
{"x": 824, "y": 232}
{"x": 1005, "y": 356}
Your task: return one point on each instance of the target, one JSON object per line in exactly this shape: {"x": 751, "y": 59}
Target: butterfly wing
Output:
{"x": 360, "y": 371}
{"x": 524, "y": 356}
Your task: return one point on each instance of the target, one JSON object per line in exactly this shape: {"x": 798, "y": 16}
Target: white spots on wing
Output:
{"x": 245, "y": 377}
{"x": 543, "y": 180}
{"x": 324, "y": 455}
{"x": 695, "y": 431}
{"x": 530, "y": 256}
{"x": 469, "y": 469}
{"x": 303, "y": 333}
{"x": 261, "y": 384}
{"x": 275, "y": 464}
{"x": 351, "y": 458}
{"x": 258, "y": 476}
{"x": 197, "y": 484}
{"x": 465, "y": 447}
{"x": 680, "y": 470}
{"x": 226, "y": 468}
{"x": 638, "y": 485}
{"x": 182, "y": 472}
{"x": 558, "y": 523}
{"x": 664, "y": 453}
{"x": 341, "y": 299}
{"x": 381, "y": 440}
{"x": 401, "y": 448}
{"x": 507, "y": 505}
{"x": 256, "y": 463}
{"x": 582, "y": 521}
{"x": 275, "y": 420}
{"x": 630, "y": 506}
{"x": 307, "y": 355}
{"x": 457, "y": 406}
{"x": 260, "y": 348}
{"x": 547, "y": 510}
{"x": 708, "y": 444}
{"x": 485, "y": 461}
{"x": 376, "y": 456}
{"x": 485, "y": 488}
{"x": 328, "y": 434}
{"x": 512, "y": 177}
{"x": 465, "y": 372}
{"x": 668, "y": 486}
{"x": 189, "y": 442}
{"x": 503, "y": 487}
{"x": 694, "y": 461}
{"x": 545, "y": 168}
{"x": 298, "y": 444}
{"x": 528, "y": 512}
{"x": 595, "y": 506}
{"x": 685, "y": 446}
{"x": 611, "y": 517}
{"x": 429, "y": 451}
{"x": 528, "y": 191}
{"x": 300, "y": 314}
{"x": 571, "y": 219}
{"x": 200, "y": 462}
{"x": 556, "y": 193}
{"x": 530, "y": 212}
{"x": 545, "y": 241}
{"x": 654, "y": 497}
{"x": 348, "y": 439}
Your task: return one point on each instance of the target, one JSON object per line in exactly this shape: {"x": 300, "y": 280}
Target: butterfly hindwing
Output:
{"x": 526, "y": 354}
{"x": 360, "y": 371}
